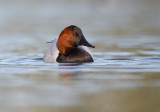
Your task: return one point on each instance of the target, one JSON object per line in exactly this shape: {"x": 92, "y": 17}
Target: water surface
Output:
{"x": 125, "y": 74}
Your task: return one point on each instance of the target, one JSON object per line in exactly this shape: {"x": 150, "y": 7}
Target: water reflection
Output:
{"x": 125, "y": 74}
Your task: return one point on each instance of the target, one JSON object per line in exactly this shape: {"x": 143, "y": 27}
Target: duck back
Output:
{"x": 77, "y": 55}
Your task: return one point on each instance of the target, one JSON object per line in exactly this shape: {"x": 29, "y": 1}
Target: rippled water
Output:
{"x": 125, "y": 76}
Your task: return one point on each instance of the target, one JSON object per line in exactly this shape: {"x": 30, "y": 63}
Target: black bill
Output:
{"x": 85, "y": 43}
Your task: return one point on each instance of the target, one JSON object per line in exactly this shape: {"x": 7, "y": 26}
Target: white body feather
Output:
{"x": 52, "y": 52}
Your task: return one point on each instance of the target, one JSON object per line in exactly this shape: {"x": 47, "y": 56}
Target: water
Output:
{"x": 125, "y": 76}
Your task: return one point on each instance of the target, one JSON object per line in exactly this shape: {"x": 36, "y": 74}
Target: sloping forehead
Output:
{"x": 77, "y": 30}
{"x": 74, "y": 28}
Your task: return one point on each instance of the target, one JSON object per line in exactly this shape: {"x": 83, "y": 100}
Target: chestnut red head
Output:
{"x": 70, "y": 38}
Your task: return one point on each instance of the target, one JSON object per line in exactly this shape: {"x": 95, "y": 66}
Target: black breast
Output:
{"x": 76, "y": 56}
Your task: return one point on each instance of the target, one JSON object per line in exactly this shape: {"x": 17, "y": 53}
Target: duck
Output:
{"x": 70, "y": 47}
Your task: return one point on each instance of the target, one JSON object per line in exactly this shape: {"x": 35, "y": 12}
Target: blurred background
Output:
{"x": 33, "y": 22}
{"x": 125, "y": 75}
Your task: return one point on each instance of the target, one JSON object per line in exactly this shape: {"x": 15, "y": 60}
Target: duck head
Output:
{"x": 70, "y": 38}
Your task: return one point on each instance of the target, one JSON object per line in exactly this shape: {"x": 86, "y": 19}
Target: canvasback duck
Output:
{"x": 69, "y": 48}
